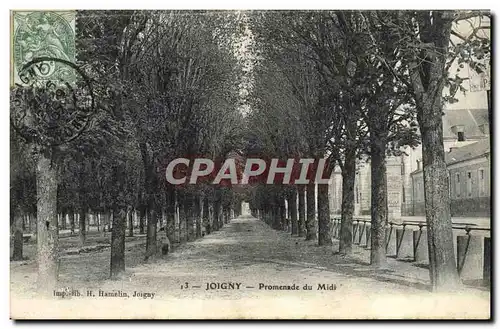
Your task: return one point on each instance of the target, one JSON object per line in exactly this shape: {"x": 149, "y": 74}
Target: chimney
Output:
{"x": 457, "y": 128}
{"x": 485, "y": 128}
{"x": 459, "y": 131}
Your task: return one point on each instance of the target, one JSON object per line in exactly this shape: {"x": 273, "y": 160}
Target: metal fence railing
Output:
{"x": 408, "y": 241}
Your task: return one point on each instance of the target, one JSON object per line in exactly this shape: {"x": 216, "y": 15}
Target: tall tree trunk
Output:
{"x": 117, "y": 265}
{"x": 17, "y": 218}
{"x": 378, "y": 199}
{"x": 82, "y": 234}
{"x": 311, "y": 211}
{"x": 150, "y": 185}
{"x": 276, "y": 214}
{"x": 47, "y": 230}
{"x": 443, "y": 270}
{"x": 302, "y": 211}
{"x": 130, "y": 214}
{"x": 182, "y": 218}
{"x": 348, "y": 179}
{"x": 105, "y": 221}
{"x": 170, "y": 212}
{"x": 35, "y": 226}
{"x": 197, "y": 215}
{"x": 217, "y": 209}
{"x": 221, "y": 216}
{"x": 188, "y": 209}
{"x": 72, "y": 221}
{"x": 324, "y": 234}
{"x": 63, "y": 219}
{"x": 206, "y": 218}
{"x": 428, "y": 81}
{"x": 142, "y": 218}
{"x": 99, "y": 221}
{"x": 282, "y": 211}
{"x": 215, "y": 223}
{"x": 228, "y": 215}
{"x": 151, "y": 233}
{"x": 292, "y": 206}
{"x": 89, "y": 213}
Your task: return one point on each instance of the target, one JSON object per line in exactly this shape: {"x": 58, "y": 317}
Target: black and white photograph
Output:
{"x": 250, "y": 164}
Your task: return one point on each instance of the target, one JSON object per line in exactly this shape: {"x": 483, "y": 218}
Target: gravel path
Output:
{"x": 251, "y": 271}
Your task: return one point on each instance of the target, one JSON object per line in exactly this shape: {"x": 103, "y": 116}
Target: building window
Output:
{"x": 457, "y": 185}
{"x": 469, "y": 184}
{"x": 357, "y": 195}
{"x": 461, "y": 136}
{"x": 482, "y": 185}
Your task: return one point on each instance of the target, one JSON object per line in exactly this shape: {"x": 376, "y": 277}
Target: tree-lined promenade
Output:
{"x": 328, "y": 86}
{"x": 165, "y": 85}
{"x": 342, "y": 85}
{"x": 248, "y": 269}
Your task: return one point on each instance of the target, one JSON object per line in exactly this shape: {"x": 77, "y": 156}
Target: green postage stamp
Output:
{"x": 42, "y": 34}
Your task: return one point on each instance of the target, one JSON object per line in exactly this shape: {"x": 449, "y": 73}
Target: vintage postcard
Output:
{"x": 250, "y": 164}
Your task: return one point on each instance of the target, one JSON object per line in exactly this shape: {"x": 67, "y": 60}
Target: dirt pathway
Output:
{"x": 248, "y": 270}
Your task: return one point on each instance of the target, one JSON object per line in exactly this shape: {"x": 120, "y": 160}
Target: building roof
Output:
{"x": 468, "y": 152}
{"x": 471, "y": 119}
{"x": 465, "y": 153}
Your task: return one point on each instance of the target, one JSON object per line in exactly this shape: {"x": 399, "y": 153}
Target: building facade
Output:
{"x": 467, "y": 147}
{"x": 468, "y": 179}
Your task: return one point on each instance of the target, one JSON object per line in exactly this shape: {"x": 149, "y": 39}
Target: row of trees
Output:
{"x": 347, "y": 85}
{"x": 165, "y": 85}
{"x": 339, "y": 85}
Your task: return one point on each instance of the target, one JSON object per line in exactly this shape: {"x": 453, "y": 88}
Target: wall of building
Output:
{"x": 335, "y": 194}
{"x": 470, "y": 187}
{"x": 469, "y": 183}
{"x": 417, "y": 206}
{"x": 471, "y": 111}
{"x": 362, "y": 189}
{"x": 365, "y": 181}
{"x": 470, "y": 179}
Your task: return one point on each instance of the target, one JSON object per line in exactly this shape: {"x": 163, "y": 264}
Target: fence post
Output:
{"x": 365, "y": 241}
{"x": 404, "y": 247}
{"x": 487, "y": 261}
{"x": 470, "y": 257}
{"x": 390, "y": 240}
{"x": 420, "y": 247}
{"x": 362, "y": 232}
{"x": 354, "y": 230}
{"x": 369, "y": 239}
{"x": 337, "y": 231}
